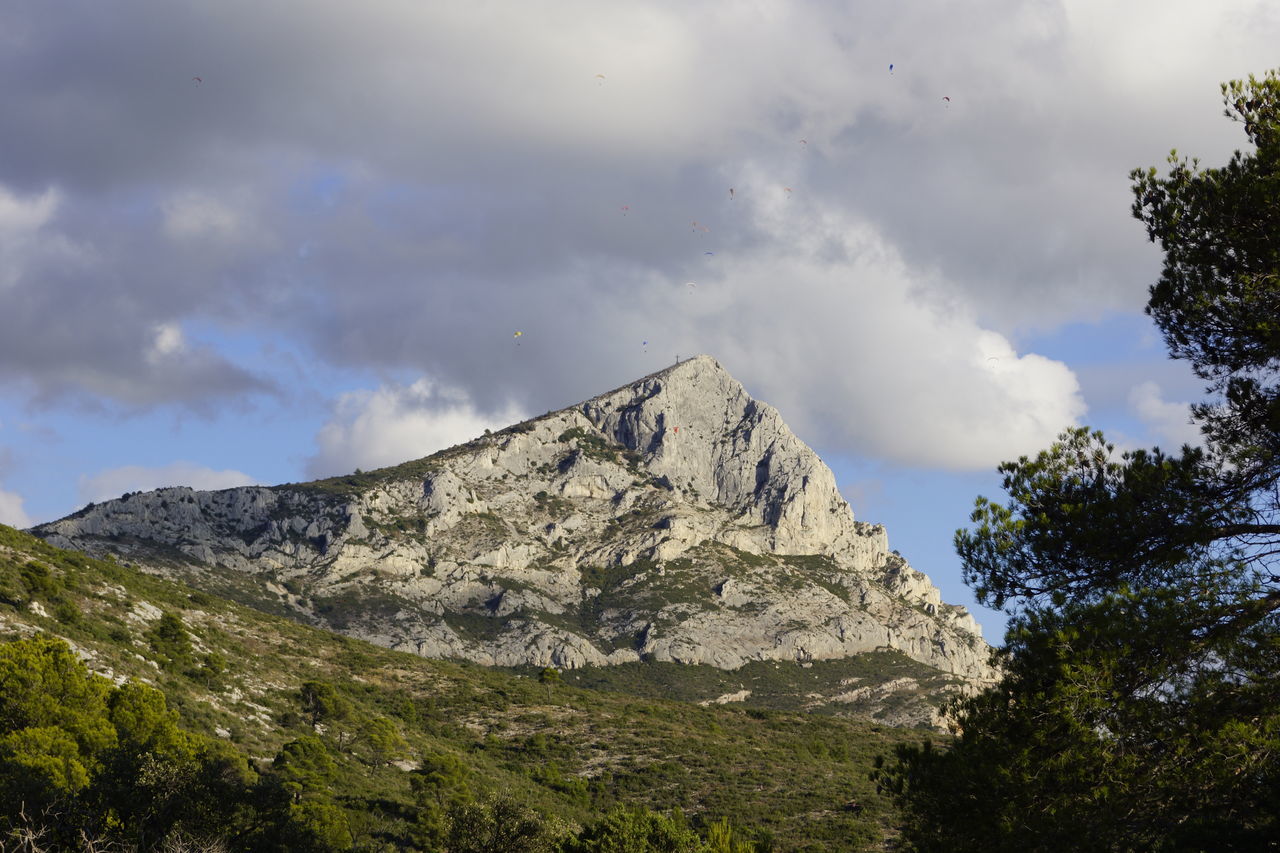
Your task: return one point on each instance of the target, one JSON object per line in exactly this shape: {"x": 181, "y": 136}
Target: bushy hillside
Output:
{"x": 398, "y": 747}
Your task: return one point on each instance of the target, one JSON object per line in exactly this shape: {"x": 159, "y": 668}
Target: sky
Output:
{"x": 247, "y": 242}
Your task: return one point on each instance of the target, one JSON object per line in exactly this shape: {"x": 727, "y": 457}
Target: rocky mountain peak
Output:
{"x": 701, "y": 432}
{"x": 672, "y": 519}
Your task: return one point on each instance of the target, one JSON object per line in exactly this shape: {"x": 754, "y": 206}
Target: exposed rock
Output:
{"x": 675, "y": 519}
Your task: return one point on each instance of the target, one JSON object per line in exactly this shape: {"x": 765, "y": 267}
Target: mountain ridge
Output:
{"x": 674, "y": 518}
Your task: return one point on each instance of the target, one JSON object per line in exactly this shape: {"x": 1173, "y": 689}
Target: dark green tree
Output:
{"x": 315, "y": 825}
{"x": 439, "y": 786}
{"x": 111, "y": 765}
{"x": 304, "y": 766}
{"x": 170, "y": 641}
{"x": 381, "y": 741}
{"x": 500, "y": 824}
{"x": 1218, "y": 297}
{"x": 1139, "y": 707}
{"x": 54, "y": 729}
{"x": 325, "y": 706}
{"x": 638, "y": 831}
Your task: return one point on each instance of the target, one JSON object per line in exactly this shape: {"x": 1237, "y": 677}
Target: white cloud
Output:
{"x": 858, "y": 349}
{"x": 132, "y": 478}
{"x": 193, "y": 215}
{"x": 26, "y": 241}
{"x": 11, "y": 512}
{"x": 455, "y": 171}
{"x": 21, "y": 216}
{"x": 168, "y": 341}
{"x": 397, "y": 423}
{"x": 1170, "y": 422}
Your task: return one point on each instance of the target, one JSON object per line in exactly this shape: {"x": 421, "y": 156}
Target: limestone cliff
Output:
{"x": 674, "y": 519}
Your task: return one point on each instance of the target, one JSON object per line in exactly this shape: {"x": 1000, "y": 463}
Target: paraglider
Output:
{"x": 946, "y": 98}
{"x": 890, "y": 67}
{"x": 699, "y": 227}
{"x": 625, "y": 208}
{"x": 730, "y": 193}
{"x": 198, "y": 81}
{"x": 708, "y": 253}
{"x": 517, "y": 334}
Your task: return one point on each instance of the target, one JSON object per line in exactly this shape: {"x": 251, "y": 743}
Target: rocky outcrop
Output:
{"x": 674, "y": 519}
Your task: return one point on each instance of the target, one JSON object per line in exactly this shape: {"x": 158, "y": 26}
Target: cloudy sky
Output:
{"x": 252, "y": 241}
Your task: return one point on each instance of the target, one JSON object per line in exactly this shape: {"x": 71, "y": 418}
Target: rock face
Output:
{"x": 674, "y": 519}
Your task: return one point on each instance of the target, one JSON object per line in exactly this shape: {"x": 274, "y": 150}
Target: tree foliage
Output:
{"x": 638, "y": 831}
{"x": 1139, "y": 707}
{"x": 103, "y": 762}
{"x": 1218, "y": 297}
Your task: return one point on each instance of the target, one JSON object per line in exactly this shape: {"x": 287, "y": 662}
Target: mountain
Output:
{"x": 451, "y": 732}
{"x": 675, "y": 519}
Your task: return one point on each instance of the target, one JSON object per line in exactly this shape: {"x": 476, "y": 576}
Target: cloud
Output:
{"x": 114, "y": 482}
{"x": 402, "y": 186}
{"x": 203, "y": 216}
{"x": 397, "y": 423}
{"x": 11, "y": 512}
{"x": 78, "y": 321}
{"x": 859, "y": 349}
{"x": 24, "y": 242}
{"x": 1170, "y": 422}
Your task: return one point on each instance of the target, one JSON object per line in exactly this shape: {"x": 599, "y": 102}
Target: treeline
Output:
{"x": 89, "y": 765}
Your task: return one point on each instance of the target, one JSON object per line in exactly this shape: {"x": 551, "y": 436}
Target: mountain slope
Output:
{"x": 673, "y": 519}
{"x": 569, "y": 753}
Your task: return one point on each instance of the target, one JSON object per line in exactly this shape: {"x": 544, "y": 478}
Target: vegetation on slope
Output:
{"x": 221, "y": 721}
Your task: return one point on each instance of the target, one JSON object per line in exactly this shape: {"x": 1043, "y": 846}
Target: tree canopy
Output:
{"x": 1139, "y": 707}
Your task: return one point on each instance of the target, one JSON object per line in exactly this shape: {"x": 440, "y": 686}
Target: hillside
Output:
{"x": 566, "y": 752}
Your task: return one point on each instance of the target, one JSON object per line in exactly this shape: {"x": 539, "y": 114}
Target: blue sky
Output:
{"x": 245, "y": 242}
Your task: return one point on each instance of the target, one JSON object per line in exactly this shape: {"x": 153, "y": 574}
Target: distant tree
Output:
{"x": 501, "y": 825}
{"x": 638, "y": 830}
{"x": 304, "y": 766}
{"x": 1140, "y": 703}
{"x": 550, "y": 678}
{"x": 170, "y": 641}
{"x": 382, "y": 741}
{"x": 213, "y": 666}
{"x": 439, "y": 786}
{"x": 723, "y": 838}
{"x": 317, "y": 826}
{"x": 324, "y": 705}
